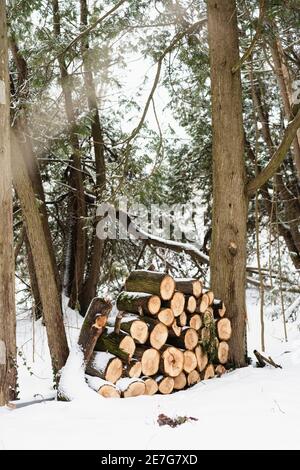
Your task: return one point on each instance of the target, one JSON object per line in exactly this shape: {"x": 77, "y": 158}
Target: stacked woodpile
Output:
{"x": 168, "y": 335}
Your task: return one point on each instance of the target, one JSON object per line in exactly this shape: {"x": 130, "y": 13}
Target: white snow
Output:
{"x": 101, "y": 359}
{"x": 123, "y": 384}
{"x": 254, "y": 408}
{"x": 96, "y": 383}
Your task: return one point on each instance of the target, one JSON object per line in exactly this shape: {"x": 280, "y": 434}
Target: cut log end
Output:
{"x": 154, "y": 304}
{"x": 167, "y": 287}
{"x": 109, "y": 391}
{"x": 191, "y": 304}
{"x": 204, "y": 303}
{"x": 224, "y": 329}
{"x": 166, "y": 385}
{"x": 177, "y": 303}
{"x": 209, "y": 372}
{"x": 180, "y": 381}
{"x": 172, "y": 361}
{"x": 127, "y": 345}
{"x": 202, "y": 358}
{"x": 150, "y": 361}
{"x": 176, "y": 329}
{"x": 190, "y": 361}
{"x": 166, "y": 316}
{"x": 151, "y": 386}
{"x": 139, "y": 331}
{"x": 195, "y": 322}
{"x": 135, "y": 389}
{"x": 114, "y": 370}
{"x": 159, "y": 336}
{"x": 135, "y": 370}
{"x": 220, "y": 370}
{"x": 191, "y": 338}
{"x": 223, "y": 352}
{"x": 182, "y": 319}
{"x": 193, "y": 378}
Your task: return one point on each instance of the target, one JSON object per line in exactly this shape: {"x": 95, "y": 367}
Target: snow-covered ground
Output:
{"x": 249, "y": 408}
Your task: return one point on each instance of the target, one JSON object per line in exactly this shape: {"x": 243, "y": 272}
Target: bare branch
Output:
{"x": 277, "y": 158}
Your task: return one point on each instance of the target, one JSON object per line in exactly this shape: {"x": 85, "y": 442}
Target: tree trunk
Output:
{"x": 228, "y": 250}
{"x": 50, "y": 296}
{"x": 8, "y": 371}
{"x": 284, "y": 82}
{"x": 21, "y": 128}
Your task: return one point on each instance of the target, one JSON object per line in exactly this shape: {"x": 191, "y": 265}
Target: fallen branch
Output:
{"x": 262, "y": 360}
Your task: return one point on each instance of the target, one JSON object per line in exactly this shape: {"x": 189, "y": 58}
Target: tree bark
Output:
{"x": 229, "y": 222}
{"x": 50, "y": 296}
{"x": 8, "y": 371}
{"x": 22, "y": 130}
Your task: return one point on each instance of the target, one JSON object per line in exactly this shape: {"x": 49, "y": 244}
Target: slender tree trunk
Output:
{"x": 228, "y": 251}
{"x": 21, "y": 126}
{"x": 76, "y": 256}
{"x": 33, "y": 281}
{"x": 50, "y": 296}
{"x": 97, "y": 246}
{"x": 289, "y": 199}
{"x": 284, "y": 82}
{"x": 8, "y": 372}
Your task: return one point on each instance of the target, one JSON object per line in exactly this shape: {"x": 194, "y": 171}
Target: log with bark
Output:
{"x": 104, "y": 388}
{"x": 93, "y": 326}
{"x": 131, "y": 387}
{"x": 121, "y": 345}
{"x": 152, "y": 282}
{"x": 105, "y": 366}
{"x": 189, "y": 286}
{"x": 135, "y": 302}
{"x": 135, "y": 327}
{"x": 187, "y": 340}
{"x": 219, "y": 308}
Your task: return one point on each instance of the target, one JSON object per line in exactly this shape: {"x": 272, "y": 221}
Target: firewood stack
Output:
{"x": 169, "y": 334}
